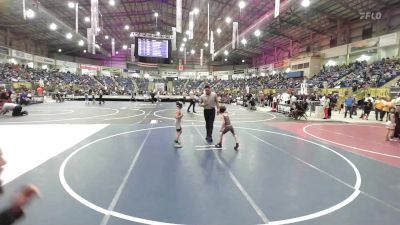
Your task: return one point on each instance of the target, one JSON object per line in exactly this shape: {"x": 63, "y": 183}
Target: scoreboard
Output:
{"x": 153, "y": 48}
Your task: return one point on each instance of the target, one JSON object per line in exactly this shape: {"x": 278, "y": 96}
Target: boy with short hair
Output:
{"x": 226, "y": 127}
{"x": 178, "y": 121}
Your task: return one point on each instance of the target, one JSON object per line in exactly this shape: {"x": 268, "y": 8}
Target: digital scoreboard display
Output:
{"x": 153, "y": 48}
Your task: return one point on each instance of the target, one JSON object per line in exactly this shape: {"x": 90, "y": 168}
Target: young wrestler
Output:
{"x": 178, "y": 120}
{"x": 226, "y": 127}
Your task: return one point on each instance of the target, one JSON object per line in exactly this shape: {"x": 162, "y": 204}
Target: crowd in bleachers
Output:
{"x": 355, "y": 75}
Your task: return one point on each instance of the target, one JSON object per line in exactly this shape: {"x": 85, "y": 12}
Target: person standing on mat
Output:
{"x": 225, "y": 128}
{"x": 101, "y": 97}
{"x": 178, "y": 124}
{"x": 192, "y": 101}
{"x": 209, "y": 100}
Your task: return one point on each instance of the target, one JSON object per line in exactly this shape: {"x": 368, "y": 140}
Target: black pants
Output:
{"x": 17, "y": 111}
{"x": 383, "y": 113}
{"x": 209, "y": 116}
{"x": 397, "y": 128}
{"x": 348, "y": 109}
{"x": 192, "y": 103}
{"x": 101, "y": 99}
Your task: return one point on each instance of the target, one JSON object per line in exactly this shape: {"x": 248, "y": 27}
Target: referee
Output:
{"x": 209, "y": 100}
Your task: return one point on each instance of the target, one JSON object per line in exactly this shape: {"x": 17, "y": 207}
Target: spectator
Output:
{"x": 367, "y": 109}
{"x": 15, "y": 211}
{"x": 348, "y": 105}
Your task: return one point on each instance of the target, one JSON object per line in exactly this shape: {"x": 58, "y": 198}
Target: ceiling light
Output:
{"x": 97, "y": 46}
{"x": 125, "y": 47}
{"x": 53, "y": 26}
{"x": 71, "y": 5}
{"x": 126, "y": 27}
{"x": 182, "y": 44}
{"x": 228, "y": 20}
{"x": 87, "y": 19}
{"x": 192, "y": 51}
{"x": 30, "y": 13}
{"x": 242, "y": 4}
{"x": 305, "y": 3}
{"x": 68, "y": 35}
{"x": 244, "y": 41}
{"x": 98, "y": 29}
{"x": 219, "y": 30}
{"x": 84, "y": 51}
{"x": 243, "y": 61}
{"x": 131, "y": 35}
{"x": 181, "y": 49}
{"x": 106, "y": 37}
{"x": 156, "y": 14}
{"x": 117, "y": 52}
{"x": 111, "y": 2}
{"x": 59, "y": 50}
{"x": 185, "y": 39}
{"x": 226, "y": 52}
{"x": 206, "y": 44}
{"x": 257, "y": 33}
{"x": 196, "y": 11}
{"x": 226, "y": 60}
{"x": 81, "y": 43}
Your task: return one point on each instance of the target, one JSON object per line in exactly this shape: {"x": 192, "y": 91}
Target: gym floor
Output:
{"x": 116, "y": 164}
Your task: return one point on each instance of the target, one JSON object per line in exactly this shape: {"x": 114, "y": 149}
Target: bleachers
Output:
{"x": 356, "y": 75}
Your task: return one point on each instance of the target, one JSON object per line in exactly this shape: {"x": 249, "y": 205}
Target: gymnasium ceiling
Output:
{"x": 295, "y": 23}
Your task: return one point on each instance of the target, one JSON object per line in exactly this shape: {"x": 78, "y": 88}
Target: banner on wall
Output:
{"x": 238, "y": 72}
{"x": 286, "y": 62}
{"x": 112, "y": 70}
{"x": 22, "y": 85}
{"x": 66, "y": 64}
{"x": 382, "y": 92}
{"x": 203, "y": 73}
{"x": 252, "y": 70}
{"x": 21, "y": 55}
{"x": 283, "y": 63}
{"x": 364, "y": 44}
{"x": 388, "y": 40}
{"x": 126, "y": 70}
{"x": 222, "y": 73}
{"x": 4, "y": 51}
{"x": 268, "y": 67}
{"x": 188, "y": 73}
{"x": 170, "y": 73}
{"x": 40, "y": 59}
{"x": 89, "y": 67}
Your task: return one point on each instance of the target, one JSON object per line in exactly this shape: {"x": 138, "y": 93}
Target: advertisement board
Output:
{"x": 89, "y": 67}
{"x": 21, "y": 55}
{"x": 4, "y": 51}
{"x": 44, "y": 60}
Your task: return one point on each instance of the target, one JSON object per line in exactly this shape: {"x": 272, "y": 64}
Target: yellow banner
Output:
{"x": 22, "y": 85}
